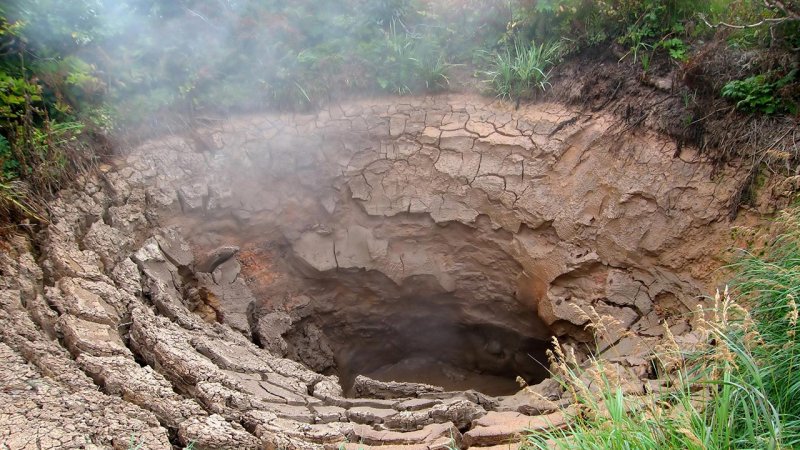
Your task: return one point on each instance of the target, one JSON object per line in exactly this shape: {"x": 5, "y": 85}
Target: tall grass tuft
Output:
{"x": 407, "y": 64}
{"x": 521, "y": 70}
{"x": 770, "y": 284}
{"x": 738, "y": 387}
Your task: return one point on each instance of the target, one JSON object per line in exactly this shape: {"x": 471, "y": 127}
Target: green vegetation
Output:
{"x": 648, "y": 29}
{"x": 407, "y": 63}
{"x": 771, "y": 284}
{"x": 739, "y": 387}
{"x": 521, "y": 70}
{"x": 758, "y": 94}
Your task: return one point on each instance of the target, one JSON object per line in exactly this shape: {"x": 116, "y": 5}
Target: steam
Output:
{"x": 210, "y": 57}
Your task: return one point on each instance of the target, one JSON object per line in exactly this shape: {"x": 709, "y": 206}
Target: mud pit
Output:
{"x": 443, "y": 243}
{"x": 228, "y": 287}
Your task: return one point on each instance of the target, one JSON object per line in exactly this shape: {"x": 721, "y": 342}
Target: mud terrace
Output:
{"x": 377, "y": 274}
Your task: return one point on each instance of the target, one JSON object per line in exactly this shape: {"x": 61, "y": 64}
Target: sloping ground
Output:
{"x": 135, "y": 323}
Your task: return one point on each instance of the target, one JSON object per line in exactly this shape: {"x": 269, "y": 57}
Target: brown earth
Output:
{"x": 433, "y": 244}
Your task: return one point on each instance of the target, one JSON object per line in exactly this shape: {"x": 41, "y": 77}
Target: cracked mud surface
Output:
{"x": 439, "y": 241}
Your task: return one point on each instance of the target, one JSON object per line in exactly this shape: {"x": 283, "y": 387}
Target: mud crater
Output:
{"x": 446, "y": 243}
{"x": 440, "y": 240}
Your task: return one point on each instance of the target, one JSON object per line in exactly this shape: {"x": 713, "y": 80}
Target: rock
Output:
{"x": 459, "y": 412}
{"x": 213, "y": 432}
{"x": 528, "y": 403}
{"x": 227, "y": 272}
{"x": 169, "y": 304}
{"x": 163, "y": 346}
{"x": 284, "y": 390}
{"x": 415, "y": 404}
{"x": 357, "y": 247}
{"x": 328, "y": 414}
{"x": 69, "y": 260}
{"x": 126, "y": 276}
{"x": 251, "y": 384}
{"x": 128, "y": 218}
{"x": 549, "y": 389}
{"x": 285, "y": 433}
{"x": 440, "y": 214}
{"x": 317, "y": 251}
{"x": 293, "y": 412}
{"x": 497, "y": 428}
{"x": 216, "y": 257}
{"x": 98, "y": 339}
{"x": 429, "y": 434}
{"x": 312, "y": 348}
{"x": 174, "y": 247}
{"x": 141, "y": 386}
{"x": 270, "y": 329}
{"x": 193, "y": 198}
{"x": 408, "y": 420}
{"x": 154, "y": 264}
{"x": 72, "y": 298}
{"x": 367, "y": 387}
{"x": 328, "y": 388}
{"x": 396, "y": 126}
{"x": 231, "y": 356}
{"x": 293, "y": 370}
{"x": 63, "y": 416}
{"x": 109, "y": 243}
{"x": 229, "y": 301}
{"x": 369, "y": 415}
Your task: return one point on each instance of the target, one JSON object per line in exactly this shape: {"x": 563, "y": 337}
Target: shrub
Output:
{"x": 717, "y": 397}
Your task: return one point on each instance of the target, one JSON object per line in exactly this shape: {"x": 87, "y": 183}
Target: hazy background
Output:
{"x": 145, "y": 57}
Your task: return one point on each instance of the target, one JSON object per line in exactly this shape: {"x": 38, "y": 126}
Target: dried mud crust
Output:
{"x": 100, "y": 347}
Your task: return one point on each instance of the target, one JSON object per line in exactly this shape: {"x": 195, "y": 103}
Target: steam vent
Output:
{"x": 380, "y": 273}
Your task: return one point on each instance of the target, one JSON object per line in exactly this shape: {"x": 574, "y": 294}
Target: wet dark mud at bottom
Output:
{"x": 424, "y": 337}
{"x": 491, "y": 369}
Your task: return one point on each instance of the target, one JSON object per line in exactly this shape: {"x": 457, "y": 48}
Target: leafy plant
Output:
{"x": 717, "y": 397}
{"x": 15, "y": 94}
{"x": 759, "y": 94}
{"x": 677, "y": 49}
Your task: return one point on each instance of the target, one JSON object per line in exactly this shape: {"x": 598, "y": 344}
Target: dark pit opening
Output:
{"x": 430, "y": 343}
{"x": 416, "y": 332}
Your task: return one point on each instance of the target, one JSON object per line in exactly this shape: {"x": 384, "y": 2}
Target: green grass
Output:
{"x": 521, "y": 70}
{"x": 738, "y": 389}
{"x": 770, "y": 281}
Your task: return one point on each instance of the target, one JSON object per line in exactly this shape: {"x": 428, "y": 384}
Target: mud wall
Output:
{"x": 531, "y": 221}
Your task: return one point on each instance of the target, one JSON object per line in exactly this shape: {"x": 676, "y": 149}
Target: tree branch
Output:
{"x": 774, "y": 21}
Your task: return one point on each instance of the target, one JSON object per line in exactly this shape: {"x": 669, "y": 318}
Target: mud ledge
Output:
{"x": 446, "y": 226}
